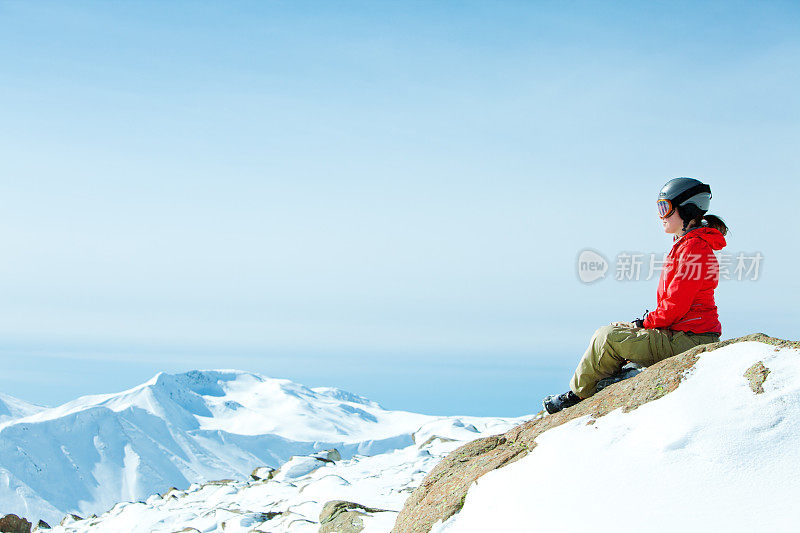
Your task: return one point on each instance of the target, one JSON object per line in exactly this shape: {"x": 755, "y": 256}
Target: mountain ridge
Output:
{"x": 177, "y": 429}
{"x": 12, "y": 408}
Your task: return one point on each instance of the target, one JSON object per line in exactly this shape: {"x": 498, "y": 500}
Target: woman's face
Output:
{"x": 673, "y": 223}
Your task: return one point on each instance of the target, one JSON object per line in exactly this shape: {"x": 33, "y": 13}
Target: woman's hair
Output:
{"x": 691, "y": 213}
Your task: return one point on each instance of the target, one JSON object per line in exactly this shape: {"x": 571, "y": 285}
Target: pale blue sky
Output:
{"x": 387, "y": 197}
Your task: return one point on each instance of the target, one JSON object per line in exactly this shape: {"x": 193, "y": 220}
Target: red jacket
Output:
{"x": 686, "y": 287}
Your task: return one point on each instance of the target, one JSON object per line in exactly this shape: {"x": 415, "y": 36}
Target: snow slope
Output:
{"x": 711, "y": 456}
{"x": 85, "y": 456}
{"x": 293, "y": 499}
{"x": 12, "y": 408}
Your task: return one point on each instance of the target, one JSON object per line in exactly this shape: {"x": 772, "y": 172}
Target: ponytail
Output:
{"x": 713, "y": 221}
{"x": 695, "y": 217}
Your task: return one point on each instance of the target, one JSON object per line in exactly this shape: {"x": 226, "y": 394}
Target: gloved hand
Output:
{"x": 639, "y": 322}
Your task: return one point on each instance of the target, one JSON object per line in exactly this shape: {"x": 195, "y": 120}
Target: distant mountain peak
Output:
{"x": 176, "y": 429}
{"x": 12, "y": 408}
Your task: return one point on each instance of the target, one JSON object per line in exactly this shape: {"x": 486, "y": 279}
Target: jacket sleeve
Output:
{"x": 691, "y": 265}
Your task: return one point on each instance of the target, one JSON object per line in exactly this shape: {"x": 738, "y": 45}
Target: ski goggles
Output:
{"x": 665, "y": 208}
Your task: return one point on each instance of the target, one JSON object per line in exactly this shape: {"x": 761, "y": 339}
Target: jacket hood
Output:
{"x": 712, "y": 236}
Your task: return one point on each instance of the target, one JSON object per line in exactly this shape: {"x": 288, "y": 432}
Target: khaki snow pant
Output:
{"x": 612, "y": 346}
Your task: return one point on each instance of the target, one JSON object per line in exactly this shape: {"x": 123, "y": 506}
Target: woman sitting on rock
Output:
{"x": 686, "y": 315}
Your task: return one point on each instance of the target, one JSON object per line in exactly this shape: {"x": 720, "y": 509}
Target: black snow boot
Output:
{"x": 555, "y": 403}
{"x": 628, "y": 371}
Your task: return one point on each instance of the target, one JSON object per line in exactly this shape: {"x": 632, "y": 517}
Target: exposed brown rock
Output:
{"x": 218, "y": 482}
{"x": 346, "y": 522}
{"x": 338, "y": 516}
{"x": 756, "y": 375}
{"x": 263, "y": 473}
{"x": 71, "y": 518}
{"x": 171, "y": 492}
{"x": 444, "y": 489}
{"x": 12, "y": 523}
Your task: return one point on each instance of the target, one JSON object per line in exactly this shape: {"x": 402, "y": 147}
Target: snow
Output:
{"x": 298, "y": 467}
{"x": 13, "y": 408}
{"x": 710, "y": 456}
{"x": 246, "y": 403}
{"x": 89, "y": 454}
{"x": 296, "y": 495}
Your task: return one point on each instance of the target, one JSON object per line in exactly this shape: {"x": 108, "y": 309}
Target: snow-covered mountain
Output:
{"x": 294, "y": 498}
{"x": 12, "y": 408}
{"x": 87, "y": 455}
{"x": 699, "y": 441}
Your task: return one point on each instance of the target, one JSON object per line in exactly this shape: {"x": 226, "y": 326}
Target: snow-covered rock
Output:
{"x": 263, "y": 472}
{"x": 298, "y": 467}
{"x": 338, "y": 516}
{"x": 703, "y": 441}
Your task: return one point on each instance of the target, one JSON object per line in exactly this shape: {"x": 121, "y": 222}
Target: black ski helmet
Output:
{"x": 691, "y": 197}
{"x": 682, "y": 191}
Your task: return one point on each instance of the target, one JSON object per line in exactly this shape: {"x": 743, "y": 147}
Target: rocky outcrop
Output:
{"x": 12, "y": 523}
{"x": 444, "y": 489}
{"x": 70, "y": 518}
{"x": 297, "y": 466}
{"x": 263, "y": 473}
{"x": 329, "y": 456}
{"x": 339, "y": 516}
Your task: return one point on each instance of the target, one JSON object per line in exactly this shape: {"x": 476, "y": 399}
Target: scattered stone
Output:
{"x": 756, "y": 375}
{"x": 347, "y": 522}
{"x": 338, "y": 516}
{"x": 434, "y": 438}
{"x": 328, "y": 456}
{"x": 12, "y": 523}
{"x": 218, "y": 482}
{"x": 70, "y": 518}
{"x": 169, "y": 492}
{"x": 298, "y": 466}
{"x": 263, "y": 473}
